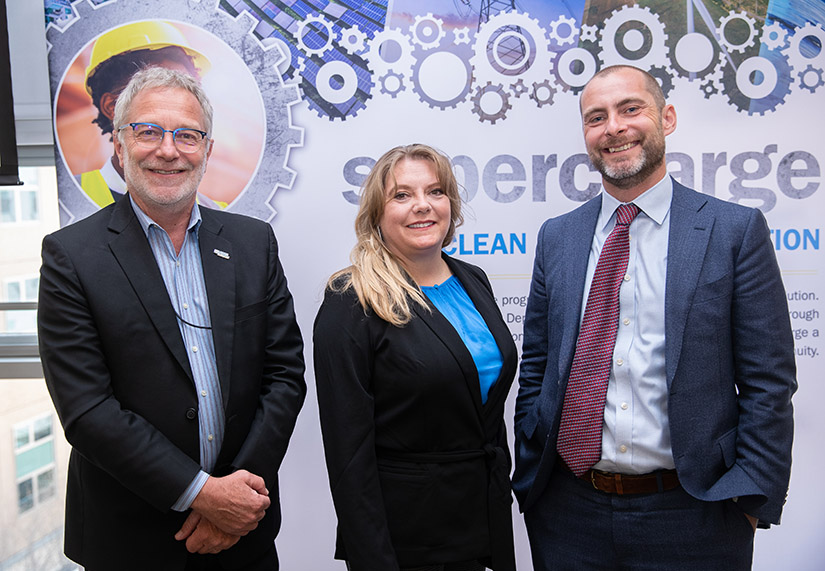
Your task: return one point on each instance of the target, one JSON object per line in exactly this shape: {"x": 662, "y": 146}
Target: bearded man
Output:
{"x": 653, "y": 422}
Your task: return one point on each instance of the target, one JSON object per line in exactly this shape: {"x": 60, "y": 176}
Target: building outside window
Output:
{"x": 20, "y": 204}
{"x": 34, "y": 462}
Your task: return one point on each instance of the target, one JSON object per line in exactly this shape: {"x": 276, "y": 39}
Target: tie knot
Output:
{"x": 626, "y": 213}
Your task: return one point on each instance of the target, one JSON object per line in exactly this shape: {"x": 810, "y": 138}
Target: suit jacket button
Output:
{"x": 191, "y": 414}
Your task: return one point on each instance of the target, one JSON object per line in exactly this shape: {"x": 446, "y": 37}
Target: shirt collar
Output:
{"x": 654, "y": 202}
{"x": 146, "y": 222}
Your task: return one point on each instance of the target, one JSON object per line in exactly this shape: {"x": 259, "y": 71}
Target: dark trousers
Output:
{"x": 573, "y": 526}
{"x": 196, "y": 562}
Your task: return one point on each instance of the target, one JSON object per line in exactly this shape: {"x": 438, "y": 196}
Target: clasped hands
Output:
{"x": 225, "y": 510}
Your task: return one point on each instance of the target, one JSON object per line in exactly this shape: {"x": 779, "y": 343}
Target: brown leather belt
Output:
{"x": 622, "y": 484}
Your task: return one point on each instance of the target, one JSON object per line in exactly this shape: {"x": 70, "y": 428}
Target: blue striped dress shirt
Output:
{"x": 183, "y": 276}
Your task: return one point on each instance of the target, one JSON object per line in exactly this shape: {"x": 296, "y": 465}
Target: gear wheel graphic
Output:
{"x": 273, "y": 172}
{"x": 496, "y": 90}
{"x": 390, "y": 50}
{"x": 392, "y": 83}
{"x": 811, "y": 79}
{"x": 664, "y": 77}
{"x": 732, "y": 16}
{"x": 518, "y": 88}
{"x": 694, "y": 56}
{"x": 643, "y": 50}
{"x": 563, "y": 23}
{"x": 774, "y": 36}
{"x": 709, "y": 87}
{"x": 800, "y": 55}
{"x": 508, "y": 33}
{"x": 542, "y": 93}
{"x": 302, "y": 33}
{"x": 589, "y": 33}
{"x": 461, "y": 35}
{"x": 427, "y": 31}
{"x": 334, "y": 88}
{"x": 353, "y": 40}
{"x": 442, "y": 79}
{"x": 575, "y": 77}
{"x": 758, "y": 84}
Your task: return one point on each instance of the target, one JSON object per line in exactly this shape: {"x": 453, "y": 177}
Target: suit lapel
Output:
{"x": 447, "y": 334}
{"x": 690, "y": 227}
{"x": 486, "y": 305}
{"x": 577, "y": 239}
{"x": 219, "y": 276}
{"x": 130, "y": 247}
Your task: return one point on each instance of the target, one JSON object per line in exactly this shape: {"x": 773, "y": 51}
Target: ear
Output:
{"x": 209, "y": 145}
{"x": 118, "y": 146}
{"x": 107, "y": 104}
{"x": 668, "y": 119}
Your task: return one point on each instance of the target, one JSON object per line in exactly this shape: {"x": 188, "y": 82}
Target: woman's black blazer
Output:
{"x": 418, "y": 467}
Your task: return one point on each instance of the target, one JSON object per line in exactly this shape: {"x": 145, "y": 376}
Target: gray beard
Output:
{"x": 628, "y": 176}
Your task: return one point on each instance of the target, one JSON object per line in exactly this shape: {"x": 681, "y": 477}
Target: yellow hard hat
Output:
{"x": 145, "y": 35}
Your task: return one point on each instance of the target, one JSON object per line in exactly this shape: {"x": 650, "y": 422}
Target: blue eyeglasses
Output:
{"x": 150, "y": 135}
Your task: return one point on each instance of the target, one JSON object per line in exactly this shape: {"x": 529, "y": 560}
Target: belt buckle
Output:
{"x": 593, "y": 479}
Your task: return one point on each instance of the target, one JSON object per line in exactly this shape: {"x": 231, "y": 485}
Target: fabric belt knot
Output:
{"x": 580, "y": 433}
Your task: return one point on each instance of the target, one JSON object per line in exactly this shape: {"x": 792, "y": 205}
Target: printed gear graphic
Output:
{"x": 691, "y": 48}
{"x": 589, "y": 33}
{"x": 442, "y": 60}
{"x": 561, "y": 22}
{"x": 420, "y": 25}
{"x": 461, "y": 35}
{"x": 257, "y": 199}
{"x": 774, "y": 36}
{"x": 542, "y": 93}
{"x": 505, "y": 106}
{"x": 810, "y": 78}
{"x": 563, "y": 68}
{"x": 378, "y": 62}
{"x": 796, "y": 58}
{"x": 519, "y": 25}
{"x": 518, "y": 88}
{"x": 353, "y": 40}
{"x": 326, "y": 24}
{"x": 338, "y": 102}
{"x": 723, "y": 23}
{"x": 746, "y": 95}
{"x": 664, "y": 77}
{"x": 709, "y": 87}
{"x": 392, "y": 83}
{"x": 657, "y": 52}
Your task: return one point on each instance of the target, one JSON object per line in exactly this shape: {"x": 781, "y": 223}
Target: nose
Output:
{"x": 614, "y": 124}
{"x": 167, "y": 148}
{"x": 421, "y": 203}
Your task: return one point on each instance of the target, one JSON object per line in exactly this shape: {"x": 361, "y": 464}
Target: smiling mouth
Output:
{"x": 158, "y": 171}
{"x": 421, "y": 225}
{"x": 624, "y": 147}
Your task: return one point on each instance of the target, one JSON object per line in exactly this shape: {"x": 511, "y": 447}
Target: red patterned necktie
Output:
{"x": 580, "y": 434}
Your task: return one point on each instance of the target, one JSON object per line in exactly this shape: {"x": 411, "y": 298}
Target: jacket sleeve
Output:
{"x": 343, "y": 356}
{"x": 765, "y": 371}
{"x": 115, "y": 439}
{"x": 283, "y": 388}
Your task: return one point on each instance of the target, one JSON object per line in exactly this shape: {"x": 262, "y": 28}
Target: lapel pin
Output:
{"x": 221, "y": 254}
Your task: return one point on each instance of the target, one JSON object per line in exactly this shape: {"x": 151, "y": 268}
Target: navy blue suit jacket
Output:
{"x": 729, "y": 352}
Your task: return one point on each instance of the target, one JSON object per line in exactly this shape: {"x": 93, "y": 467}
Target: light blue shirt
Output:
{"x": 183, "y": 277}
{"x": 452, "y": 300}
{"x": 636, "y": 435}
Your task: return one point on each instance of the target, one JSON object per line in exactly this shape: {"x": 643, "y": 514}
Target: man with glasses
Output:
{"x": 171, "y": 351}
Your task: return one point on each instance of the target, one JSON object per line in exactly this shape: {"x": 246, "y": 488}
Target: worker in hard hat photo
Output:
{"x": 107, "y": 64}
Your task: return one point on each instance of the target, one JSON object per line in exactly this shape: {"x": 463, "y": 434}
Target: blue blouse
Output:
{"x": 451, "y": 299}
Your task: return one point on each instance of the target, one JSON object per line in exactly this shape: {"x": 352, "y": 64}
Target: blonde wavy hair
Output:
{"x": 376, "y": 274}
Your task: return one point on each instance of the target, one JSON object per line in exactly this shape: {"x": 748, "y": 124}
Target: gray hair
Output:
{"x": 161, "y": 78}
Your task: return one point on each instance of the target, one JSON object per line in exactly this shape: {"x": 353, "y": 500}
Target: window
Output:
{"x": 21, "y": 203}
{"x": 34, "y": 461}
{"x": 21, "y": 289}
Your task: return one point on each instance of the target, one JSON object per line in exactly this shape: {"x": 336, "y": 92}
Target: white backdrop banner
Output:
{"x": 309, "y": 93}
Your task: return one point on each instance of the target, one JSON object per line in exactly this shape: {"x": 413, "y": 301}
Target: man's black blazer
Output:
{"x": 118, "y": 373}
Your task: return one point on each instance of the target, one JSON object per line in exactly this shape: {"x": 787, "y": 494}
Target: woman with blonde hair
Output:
{"x": 413, "y": 364}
